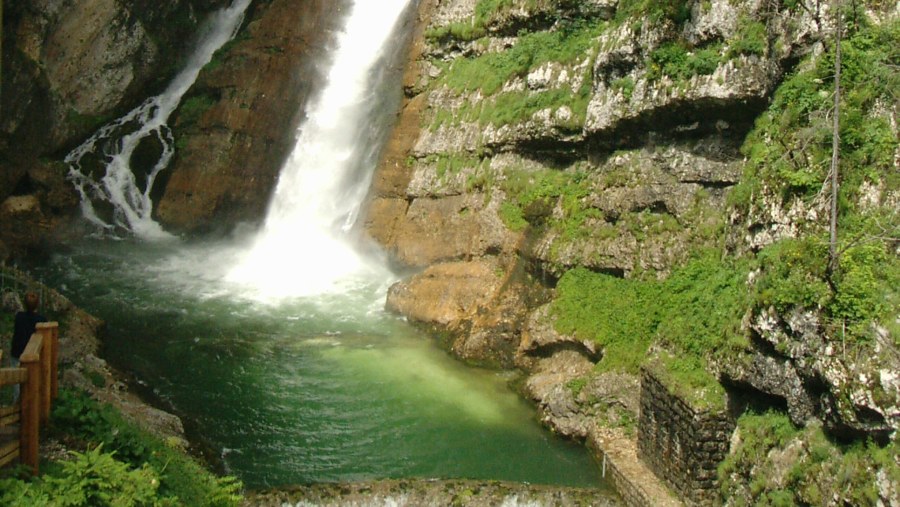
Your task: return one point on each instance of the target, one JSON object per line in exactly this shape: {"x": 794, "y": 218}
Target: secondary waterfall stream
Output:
{"x": 112, "y": 146}
{"x": 275, "y": 349}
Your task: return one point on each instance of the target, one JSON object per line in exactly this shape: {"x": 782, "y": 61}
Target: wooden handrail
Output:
{"x": 37, "y": 376}
{"x": 30, "y": 400}
{"x": 48, "y": 357}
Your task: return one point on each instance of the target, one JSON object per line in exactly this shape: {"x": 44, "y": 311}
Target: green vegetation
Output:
{"x": 487, "y": 12}
{"x": 532, "y": 196}
{"x": 490, "y": 71}
{"x": 453, "y": 163}
{"x": 677, "y": 11}
{"x": 696, "y": 312}
{"x": 193, "y": 108}
{"x": 790, "y": 147}
{"x": 674, "y": 59}
{"x": 789, "y": 153}
{"x": 802, "y": 466}
{"x": 687, "y": 377}
{"x": 751, "y": 39}
{"x": 122, "y": 466}
{"x": 568, "y": 43}
{"x": 518, "y": 106}
{"x": 625, "y": 85}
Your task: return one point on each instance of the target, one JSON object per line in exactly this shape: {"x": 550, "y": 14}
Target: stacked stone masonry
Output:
{"x": 682, "y": 446}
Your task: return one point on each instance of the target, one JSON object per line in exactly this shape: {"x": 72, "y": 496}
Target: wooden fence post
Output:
{"x": 54, "y": 361}
{"x": 49, "y": 357}
{"x": 31, "y": 403}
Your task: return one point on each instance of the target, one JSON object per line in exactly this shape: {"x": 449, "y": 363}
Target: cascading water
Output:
{"x": 304, "y": 247}
{"x": 118, "y": 189}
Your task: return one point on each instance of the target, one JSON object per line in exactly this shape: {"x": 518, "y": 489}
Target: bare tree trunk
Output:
{"x": 835, "y": 139}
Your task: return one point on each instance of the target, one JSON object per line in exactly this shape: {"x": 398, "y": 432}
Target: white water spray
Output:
{"x": 304, "y": 248}
{"x": 115, "y": 143}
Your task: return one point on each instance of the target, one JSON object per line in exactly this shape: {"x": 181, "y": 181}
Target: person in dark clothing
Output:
{"x": 24, "y": 327}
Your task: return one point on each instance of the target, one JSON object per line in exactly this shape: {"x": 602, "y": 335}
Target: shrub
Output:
{"x": 675, "y": 60}
{"x": 817, "y": 472}
{"x": 677, "y": 11}
{"x": 181, "y": 479}
{"x": 93, "y": 478}
{"x": 696, "y": 311}
{"x": 751, "y": 39}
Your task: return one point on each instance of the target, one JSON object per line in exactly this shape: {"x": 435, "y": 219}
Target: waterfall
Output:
{"x": 113, "y": 185}
{"x": 304, "y": 247}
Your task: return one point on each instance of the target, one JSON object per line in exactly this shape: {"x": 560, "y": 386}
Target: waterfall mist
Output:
{"x": 306, "y": 245}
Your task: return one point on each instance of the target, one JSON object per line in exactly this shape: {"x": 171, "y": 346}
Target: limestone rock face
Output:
{"x": 250, "y": 99}
{"x": 439, "y": 194}
{"x": 446, "y": 294}
{"x": 793, "y": 362}
{"x": 619, "y": 158}
{"x": 72, "y": 64}
{"x": 39, "y": 208}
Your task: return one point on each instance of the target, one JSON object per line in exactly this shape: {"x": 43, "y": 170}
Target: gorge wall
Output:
{"x": 244, "y": 109}
{"x": 581, "y": 186}
{"x": 69, "y": 67}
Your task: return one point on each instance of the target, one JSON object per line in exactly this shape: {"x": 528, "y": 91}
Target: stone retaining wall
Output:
{"x": 681, "y": 445}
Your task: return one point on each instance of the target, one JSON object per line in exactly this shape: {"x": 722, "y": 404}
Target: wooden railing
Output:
{"x": 38, "y": 380}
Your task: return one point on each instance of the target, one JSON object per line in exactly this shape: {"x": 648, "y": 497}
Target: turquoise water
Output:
{"x": 320, "y": 389}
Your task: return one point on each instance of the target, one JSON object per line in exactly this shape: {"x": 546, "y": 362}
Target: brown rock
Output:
{"x": 446, "y": 296}
{"x": 235, "y": 148}
{"x": 450, "y": 228}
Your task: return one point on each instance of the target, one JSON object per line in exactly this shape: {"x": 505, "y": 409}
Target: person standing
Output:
{"x": 25, "y": 324}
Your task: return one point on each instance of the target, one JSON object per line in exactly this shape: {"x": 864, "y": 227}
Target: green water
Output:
{"x": 308, "y": 390}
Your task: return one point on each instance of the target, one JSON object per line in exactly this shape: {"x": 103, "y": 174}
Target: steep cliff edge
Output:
{"x": 583, "y": 185}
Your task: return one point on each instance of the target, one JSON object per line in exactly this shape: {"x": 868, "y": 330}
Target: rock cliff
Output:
{"x": 69, "y": 66}
{"x": 237, "y": 125}
{"x": 585, "y": 140}
{"x": 616, "y": 145}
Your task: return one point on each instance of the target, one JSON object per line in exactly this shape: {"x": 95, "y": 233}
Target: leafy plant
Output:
{"x": 696, "y": 311}
{"x": 751, "y": 39}
{"x": 182, "y": 480}
{"x": 674, "y": 59}
{"x": 803, "y": 467}
{"x": 677, "y": 11}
